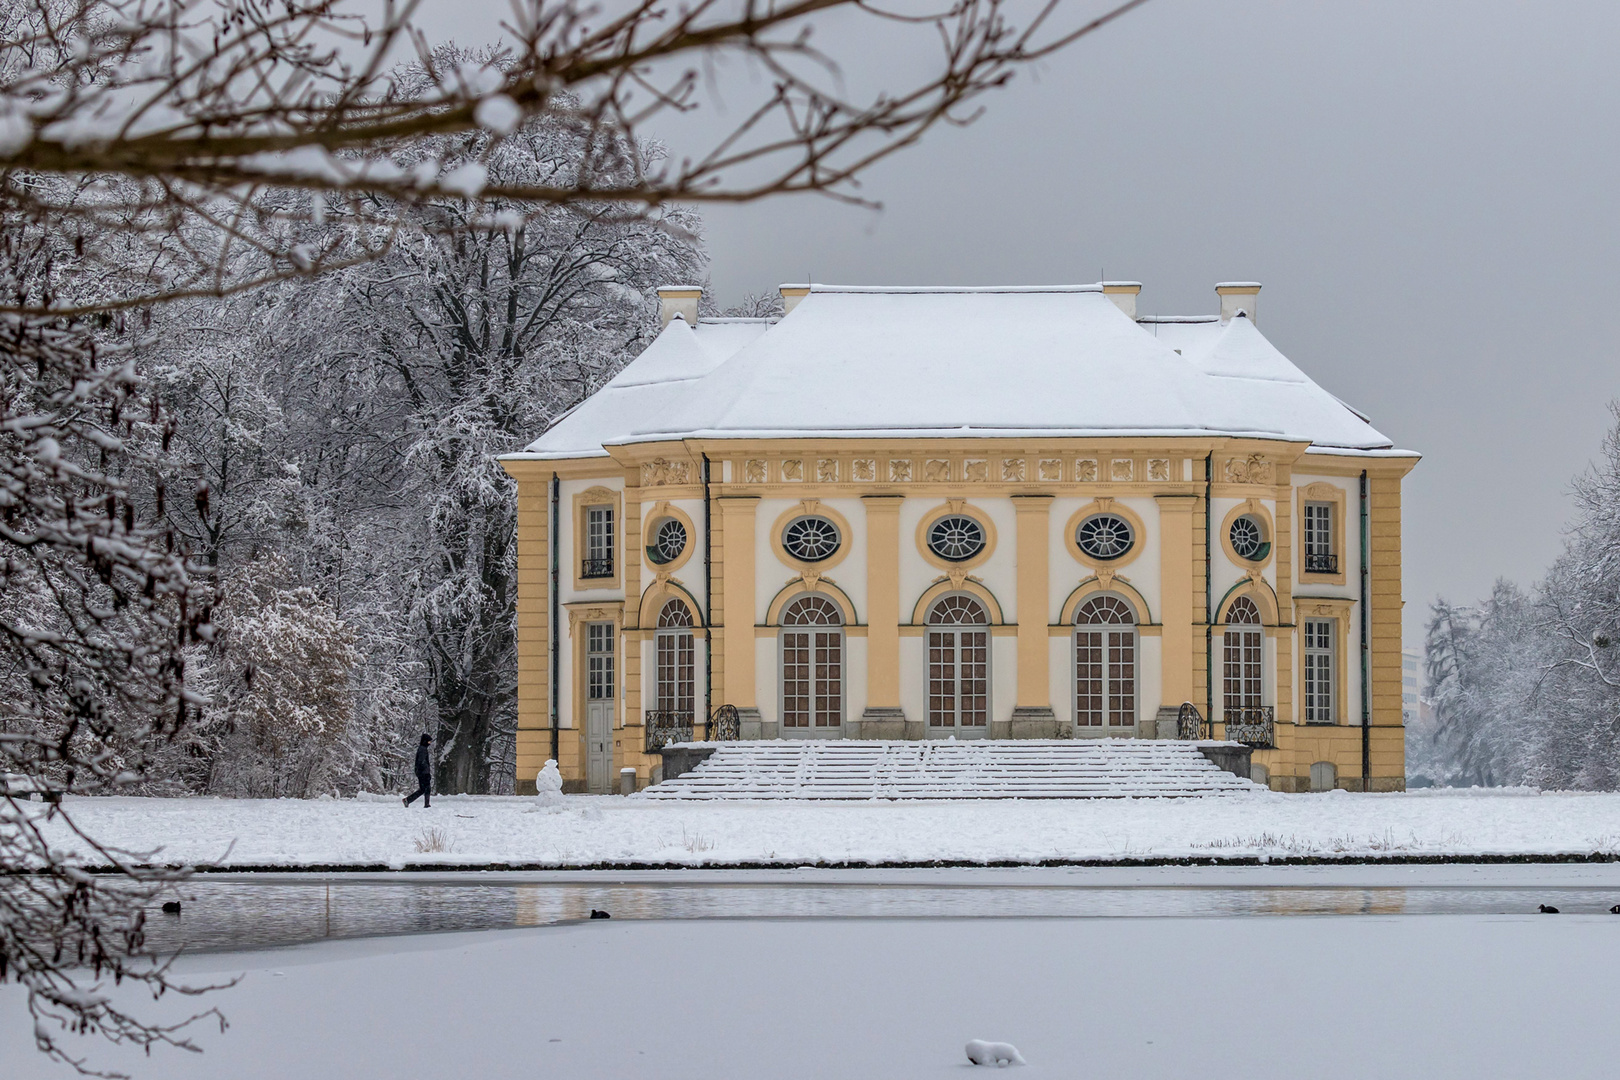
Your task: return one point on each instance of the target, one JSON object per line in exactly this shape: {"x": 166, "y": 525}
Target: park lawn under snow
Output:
{"x": 598, "y": 830}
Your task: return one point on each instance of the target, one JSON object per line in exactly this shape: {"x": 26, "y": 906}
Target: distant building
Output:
{"x": 914, "y": 513}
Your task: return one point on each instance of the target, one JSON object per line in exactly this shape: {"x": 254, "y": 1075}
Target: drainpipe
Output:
{"x": 1366, "y": 704}
{"x": 1209, "y": 594}
{"x": 708, "y": 598}
{"x": 556, "y": 578}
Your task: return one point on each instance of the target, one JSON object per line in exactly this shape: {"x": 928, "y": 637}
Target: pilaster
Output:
{"x": 1179, "y": 598}
{"x": 1032, "y": 715}
{"x": 737, "y": 515}
{"x": 883, "y": 718}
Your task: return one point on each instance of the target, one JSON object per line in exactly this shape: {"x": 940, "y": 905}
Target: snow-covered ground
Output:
{"x": 1438, "y": 997}
{"x": 599, "y": 830}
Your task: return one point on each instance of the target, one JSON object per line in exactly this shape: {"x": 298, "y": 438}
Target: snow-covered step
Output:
{"x": 999, "y": 769}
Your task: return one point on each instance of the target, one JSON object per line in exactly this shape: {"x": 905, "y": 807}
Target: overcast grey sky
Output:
{"x": 1427, "y": 190}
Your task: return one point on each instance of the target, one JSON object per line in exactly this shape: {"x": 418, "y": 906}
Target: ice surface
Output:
{"x": 1441, "y": 997}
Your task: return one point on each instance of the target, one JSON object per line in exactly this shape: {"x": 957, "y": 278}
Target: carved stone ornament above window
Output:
{"x": 754, "y": 471}
{"x": 1051, "y": 469}
{"x": 662, "y": 472}
{"x": 792, "y": 469}
{"x": 1158, "y": 468}
{"x": 937, "y": 471}
{"x": 827, "y": 470}
{"x": 899, "y": 471}
{"x": 1253, "y": 469}
{"x": 1085, "y": 470}
{"x": 863, "y": 469}
{"x": 976, "y": 471}
{"x": 1012, "y": 469}
{"x": 1122, "y": 469}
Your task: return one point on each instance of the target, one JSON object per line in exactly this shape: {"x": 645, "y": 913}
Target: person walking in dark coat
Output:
{"x": 424, "y": 774}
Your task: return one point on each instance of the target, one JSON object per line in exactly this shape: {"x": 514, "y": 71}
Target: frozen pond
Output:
{"x": 259, "y": 911}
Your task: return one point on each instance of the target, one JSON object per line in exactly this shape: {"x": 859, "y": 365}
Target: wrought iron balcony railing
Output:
{"x": 1189, "y": 722}
{"x": 1321, "y": 562}
{"x": 596, "y": 568}
{"x": 665, "y": 727}
{"x": 1255, "y": 726}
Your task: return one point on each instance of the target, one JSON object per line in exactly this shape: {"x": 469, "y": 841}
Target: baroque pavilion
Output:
{"x": 997, "y": 513}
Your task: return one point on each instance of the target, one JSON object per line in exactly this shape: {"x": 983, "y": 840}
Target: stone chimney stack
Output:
{"x": 791, "y": 295}
{"x": 1123, "y": 294}
{"x": 1238, "y": 296}
{"x": 679, "y": 300}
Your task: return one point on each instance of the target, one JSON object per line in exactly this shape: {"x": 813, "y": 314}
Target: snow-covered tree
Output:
{"x": 1526, "y": 687}
{"x": 153, "y": 151}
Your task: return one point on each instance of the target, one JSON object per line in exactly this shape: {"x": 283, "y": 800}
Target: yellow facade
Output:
{"x": 1183, "y": 576}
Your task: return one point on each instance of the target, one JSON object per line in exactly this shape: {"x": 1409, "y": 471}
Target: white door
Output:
{"x": 599, "y": 747}
{"x": 599, "y": 698}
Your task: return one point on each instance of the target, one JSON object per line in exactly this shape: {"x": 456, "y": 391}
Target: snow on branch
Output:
{"x": 182, "y": 109}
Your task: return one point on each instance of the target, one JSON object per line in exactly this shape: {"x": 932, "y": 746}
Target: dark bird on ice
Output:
{"x": 598, "y": 914}
{"x": 171, "y": 907}
{"x": 1548, "y": 909}
{"x": 1615, "y": 910}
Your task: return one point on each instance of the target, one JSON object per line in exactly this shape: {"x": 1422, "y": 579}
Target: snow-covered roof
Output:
{"x": 648, "y": 386}
{"x": 1052, "y": 361}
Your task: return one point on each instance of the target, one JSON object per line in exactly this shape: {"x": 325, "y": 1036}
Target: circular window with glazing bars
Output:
{"x": 669, "y": 540}
{"x": 810, "y": 539}
{"x": 1248, "y": 539}
{"x": 1105, "y": 536}
{"x": 956, "y": 538}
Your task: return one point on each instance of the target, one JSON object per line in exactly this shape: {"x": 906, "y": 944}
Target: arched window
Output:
{"x": 1105, "y": 663}
{"x": 675, "y": 661}
{"x": 958, "y": 667}
{"x": 1242, "y": 652}
{"x": 812, "y": 667}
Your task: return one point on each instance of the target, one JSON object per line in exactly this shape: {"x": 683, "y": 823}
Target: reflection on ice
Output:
{"x": 255, "y": 914}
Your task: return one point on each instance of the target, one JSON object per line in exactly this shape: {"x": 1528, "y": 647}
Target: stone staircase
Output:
{"x": 977, "y": 769}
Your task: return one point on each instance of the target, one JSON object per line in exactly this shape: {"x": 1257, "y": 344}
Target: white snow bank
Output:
{"x": 590, "y": 830}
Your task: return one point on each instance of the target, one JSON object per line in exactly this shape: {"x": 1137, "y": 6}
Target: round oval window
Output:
{"x": 669, "y": 540}
{"x": 1249, "y": 539}
{"x": 956, "y": 538}
{"x": 810, "y": 539}
{"x": 1105, "y": 536}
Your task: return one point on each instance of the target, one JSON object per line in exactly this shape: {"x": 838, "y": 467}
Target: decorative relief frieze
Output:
{"x": 1253, "y": 469}
{"x": 827, "y": 470}
{"x": 1321, "y": 491}
{"x": 936, "y": 470}
{"x": 792, "y": 469}
{"x": 1051, "y": 469}
{"x": 595, "y": 614}
{"x": 1122, "y": 469}
{"x": 662, "y": 472}
{"x": 863, "y": 469}
{"x": 1158, "y": 468}
{"x": 976, "y": 471}
{"x": 899, "y": 471}
{"x": 754, "y": 471}
{"x": 1012, "y": 470}
{"x": 1085, "y": 470}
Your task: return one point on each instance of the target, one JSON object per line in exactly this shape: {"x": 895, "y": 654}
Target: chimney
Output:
{"x": 679, "y": 300}
{"x": 1123, "y": 294}
{"x": 791, "y": 295}
{"x": 1238, "y": 296}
